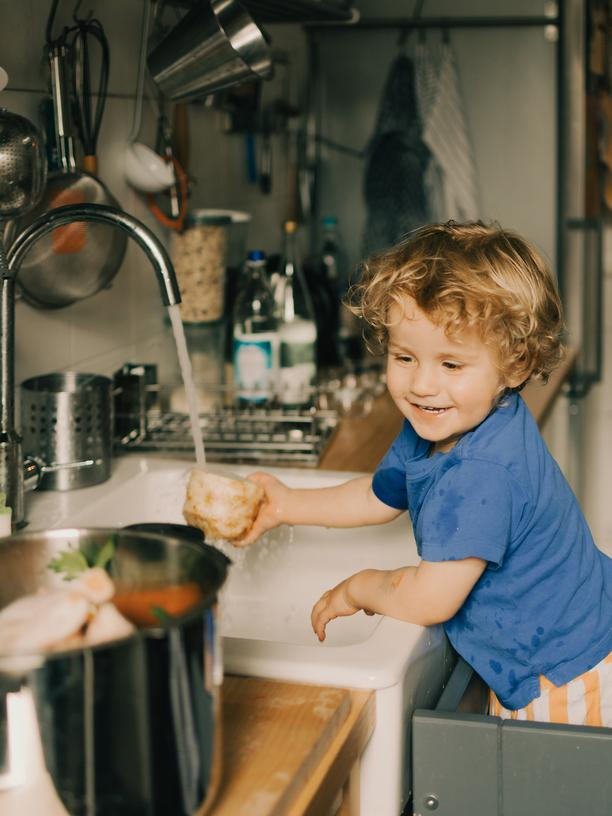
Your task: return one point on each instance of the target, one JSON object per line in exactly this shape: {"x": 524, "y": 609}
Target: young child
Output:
{"x": 467, "y": 314}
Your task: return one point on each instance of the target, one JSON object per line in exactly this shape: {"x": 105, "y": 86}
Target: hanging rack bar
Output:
{"x": 440, "y": 22}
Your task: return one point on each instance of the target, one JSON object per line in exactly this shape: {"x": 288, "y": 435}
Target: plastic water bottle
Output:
{"x": 255, "y": 344}
{"x": 296, "y": 326}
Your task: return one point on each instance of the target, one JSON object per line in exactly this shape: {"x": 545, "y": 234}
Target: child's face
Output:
{"x": 443, "y": 386}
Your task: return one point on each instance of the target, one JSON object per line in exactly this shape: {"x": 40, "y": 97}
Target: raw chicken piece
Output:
{"x": 34, "y": 623}
{"x": 107, "y": 624}
{"x": 95, "y": 584}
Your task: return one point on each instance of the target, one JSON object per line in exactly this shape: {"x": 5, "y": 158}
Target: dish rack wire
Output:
{"x": 145, "y": 421}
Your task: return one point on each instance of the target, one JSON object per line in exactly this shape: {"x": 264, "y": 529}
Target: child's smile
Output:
{"x": 444, "y": 386}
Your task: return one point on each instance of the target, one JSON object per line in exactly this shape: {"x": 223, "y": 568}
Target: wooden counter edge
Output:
{"x": 318, "y": 795}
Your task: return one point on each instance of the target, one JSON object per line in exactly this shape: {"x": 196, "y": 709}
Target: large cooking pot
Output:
{"x": 126, "y": 728}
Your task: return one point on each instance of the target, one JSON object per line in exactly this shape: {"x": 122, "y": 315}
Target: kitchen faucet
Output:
{"x": 15, "y": 474}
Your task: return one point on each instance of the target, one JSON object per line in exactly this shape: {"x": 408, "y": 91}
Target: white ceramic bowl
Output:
{"x": 146, "y": 170}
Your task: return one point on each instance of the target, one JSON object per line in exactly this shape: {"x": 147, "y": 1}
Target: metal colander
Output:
{"x": 66, "y": 422}
{"x": 23, "y": 167}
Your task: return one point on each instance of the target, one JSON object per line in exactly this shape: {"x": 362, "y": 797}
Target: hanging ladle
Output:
{"x": 144, "y": 169}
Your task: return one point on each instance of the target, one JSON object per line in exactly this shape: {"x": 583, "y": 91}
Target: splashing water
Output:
{"x": 187, "y": 375}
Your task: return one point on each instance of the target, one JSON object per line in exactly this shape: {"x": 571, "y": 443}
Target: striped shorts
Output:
{"x": 585, "y": 700}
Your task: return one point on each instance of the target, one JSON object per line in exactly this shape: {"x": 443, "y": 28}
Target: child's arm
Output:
{"x": 351, "y": 504}
{"x": 430, "y": 593}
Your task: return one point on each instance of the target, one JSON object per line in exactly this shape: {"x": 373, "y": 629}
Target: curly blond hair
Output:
{"x": 469, "y": 276}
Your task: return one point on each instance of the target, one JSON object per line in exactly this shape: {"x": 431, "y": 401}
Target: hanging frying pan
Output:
{"x": 78, "y": 260}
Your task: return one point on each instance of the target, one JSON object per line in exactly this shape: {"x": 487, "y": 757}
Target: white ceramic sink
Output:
{"x": 266, "y": 603}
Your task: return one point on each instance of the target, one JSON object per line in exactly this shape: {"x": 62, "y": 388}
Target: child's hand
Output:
{"x": 335, "y": 603}
{"x": 271, "y": 510}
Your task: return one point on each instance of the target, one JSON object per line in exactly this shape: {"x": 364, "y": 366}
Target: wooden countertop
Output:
{"x": 359, "y": 443}
{"x": 289, "y": 748}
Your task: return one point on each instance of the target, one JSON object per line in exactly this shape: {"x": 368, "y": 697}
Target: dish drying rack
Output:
{"x": 147, "y": 421}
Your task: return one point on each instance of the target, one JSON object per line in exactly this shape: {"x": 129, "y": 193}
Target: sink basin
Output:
{"x": 266, "y": 603}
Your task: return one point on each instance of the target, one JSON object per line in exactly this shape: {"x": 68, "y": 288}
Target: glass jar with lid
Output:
{"x": 199, "y": 256}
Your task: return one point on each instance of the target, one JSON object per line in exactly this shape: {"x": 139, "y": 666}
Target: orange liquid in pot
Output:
{"x": 140, "y": 605}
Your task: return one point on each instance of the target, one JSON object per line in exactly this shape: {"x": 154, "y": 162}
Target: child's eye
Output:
{"x": 452, "y": 366}
{"x": 403, "y": 358}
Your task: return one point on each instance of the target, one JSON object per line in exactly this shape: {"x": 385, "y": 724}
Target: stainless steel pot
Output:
{"x": 126, "y": 728}
{"x": 214, "y": 46}
{"x": 79, "y": 259}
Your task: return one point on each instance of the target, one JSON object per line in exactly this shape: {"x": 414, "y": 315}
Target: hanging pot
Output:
{"x": 78, "y": 260}
{"x": 214, "y": 46}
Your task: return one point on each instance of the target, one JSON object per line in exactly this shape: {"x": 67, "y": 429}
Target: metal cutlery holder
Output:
{"x": 67, "y": 425}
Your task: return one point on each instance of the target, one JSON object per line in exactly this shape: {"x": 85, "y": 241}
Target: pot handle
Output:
{"x": 183, "y": 719}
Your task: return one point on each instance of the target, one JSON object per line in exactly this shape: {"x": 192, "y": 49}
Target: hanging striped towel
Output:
{"x": 451, "y": 175}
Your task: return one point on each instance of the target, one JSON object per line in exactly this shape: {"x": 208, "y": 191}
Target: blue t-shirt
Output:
{"x": 543, "y": 605}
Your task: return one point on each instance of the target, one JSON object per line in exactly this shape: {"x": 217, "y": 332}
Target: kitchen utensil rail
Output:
{"x": 263, "y": 435}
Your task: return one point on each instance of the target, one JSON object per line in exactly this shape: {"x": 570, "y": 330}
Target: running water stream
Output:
{"x": 187, "y": 374}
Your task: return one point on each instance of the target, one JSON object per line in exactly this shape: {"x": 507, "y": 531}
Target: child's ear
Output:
{"x": 518, "y": 377}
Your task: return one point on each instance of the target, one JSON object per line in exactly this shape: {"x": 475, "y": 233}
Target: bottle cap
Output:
{"x": 256, "y": 255}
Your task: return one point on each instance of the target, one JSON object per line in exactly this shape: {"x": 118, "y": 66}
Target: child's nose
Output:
{"x": 424, "y": 381}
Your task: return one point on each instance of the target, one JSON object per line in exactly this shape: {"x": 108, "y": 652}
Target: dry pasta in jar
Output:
{"x": 199, "y": 258}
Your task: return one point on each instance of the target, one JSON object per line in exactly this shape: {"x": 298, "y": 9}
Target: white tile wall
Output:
{"x": 103, "y": 331}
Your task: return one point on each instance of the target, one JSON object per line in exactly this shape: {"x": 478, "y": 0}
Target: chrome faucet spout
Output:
{"x": 60, "y": 216}
{"x": 11, "y": 462}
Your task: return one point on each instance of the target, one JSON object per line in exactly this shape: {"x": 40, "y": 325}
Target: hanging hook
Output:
{"x": 79, "y": 20}
{"x": 402, "y": 39}
{"x": 416, "y": 15}
{"x": 418, "y": 8}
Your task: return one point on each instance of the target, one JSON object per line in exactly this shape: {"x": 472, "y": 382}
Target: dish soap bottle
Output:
{"x": 296, "y": 326}
{"x": 255, "y": 334}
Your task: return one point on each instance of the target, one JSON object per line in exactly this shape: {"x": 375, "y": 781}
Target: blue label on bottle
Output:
{"x": 253, "y": 368}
